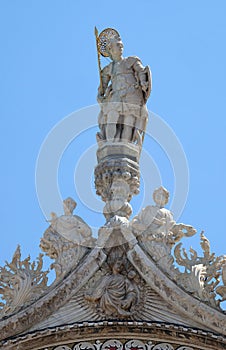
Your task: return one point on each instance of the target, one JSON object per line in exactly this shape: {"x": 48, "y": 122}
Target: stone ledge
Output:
{"x": 91, "y": 331}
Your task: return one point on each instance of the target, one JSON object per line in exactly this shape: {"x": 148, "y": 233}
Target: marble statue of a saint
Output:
{"x": 123, "y": 92}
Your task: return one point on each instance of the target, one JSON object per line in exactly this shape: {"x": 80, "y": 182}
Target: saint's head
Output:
{"x": 114, "y": 49}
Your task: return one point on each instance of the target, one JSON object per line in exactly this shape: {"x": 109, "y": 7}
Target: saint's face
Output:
{"x": 117, "y": 267}
{"x": 116, "y": 50}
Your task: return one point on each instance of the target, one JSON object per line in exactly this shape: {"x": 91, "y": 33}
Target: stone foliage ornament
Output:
{"x": 67, "y": 239}
{"x": 21, "y": 282}
{"x": 202, "y": 274}
{"x": 221, "y": 290}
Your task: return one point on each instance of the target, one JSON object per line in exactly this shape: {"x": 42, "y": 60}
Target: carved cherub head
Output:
{"x": 161, "y": 196}
{"x": 69, "y": 206}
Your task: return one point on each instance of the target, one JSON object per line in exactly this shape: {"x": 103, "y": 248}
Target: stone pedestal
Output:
{"x": 117, "y": 176}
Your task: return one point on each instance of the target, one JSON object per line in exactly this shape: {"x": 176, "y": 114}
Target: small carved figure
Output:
{"x": 123, "y": 92}
{"x": 67, "y": 239}
{"x": 158, "y": 221}
{"x": 118, "y": 202}
{"x": 116, "y": 295}
{"x": 70, "y": 226}
{"x": 157, "y": 230}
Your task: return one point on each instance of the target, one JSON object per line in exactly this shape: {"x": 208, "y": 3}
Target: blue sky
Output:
{"x": 49, "y": 69}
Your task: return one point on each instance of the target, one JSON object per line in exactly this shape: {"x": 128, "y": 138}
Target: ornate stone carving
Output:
{"x": 157, "y": 231}
{"x": 97, "y": 333}
{"x": 66, "y": 240}
{"x": 125, "y": 86}
{"x": 117, "y": 294}
{"x": 117, "y": 203}
{"x": 184, "y": 303}
{"x": 202, "y": 274}
{"x": 21, "y": 282}
{"x": 110, "y": 170}
{"x": 221, "y": 290}
{"x": 131, "y": 273}
{"x": 115, "y": 344}
{"x": 55, "y": 297}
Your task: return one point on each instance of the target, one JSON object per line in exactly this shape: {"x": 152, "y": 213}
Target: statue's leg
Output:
{"x": 140, "y": 123}
{"x": 119, "y": 127}
{"x": 112, "y": 119}
{"x": 128, "y": 126}
{"x": 101, "y": 122}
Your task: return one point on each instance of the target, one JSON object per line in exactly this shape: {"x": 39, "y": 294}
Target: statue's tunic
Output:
{"x": 124, "y": 100}
{"x": 125, "y": 76}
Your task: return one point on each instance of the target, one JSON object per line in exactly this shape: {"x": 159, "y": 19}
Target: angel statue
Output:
{"x": 125, "y": 85}
{"x": 157, "y": 230}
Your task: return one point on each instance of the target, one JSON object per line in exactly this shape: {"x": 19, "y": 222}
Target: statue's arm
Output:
{"x": 105, "y": 76}
{"x": 141, "y": 72}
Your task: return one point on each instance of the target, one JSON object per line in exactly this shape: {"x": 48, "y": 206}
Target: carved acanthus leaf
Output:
{"x": 201, "y": 273}
{"x": 22, "y": 281}
{"x": 221, "y": 290}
